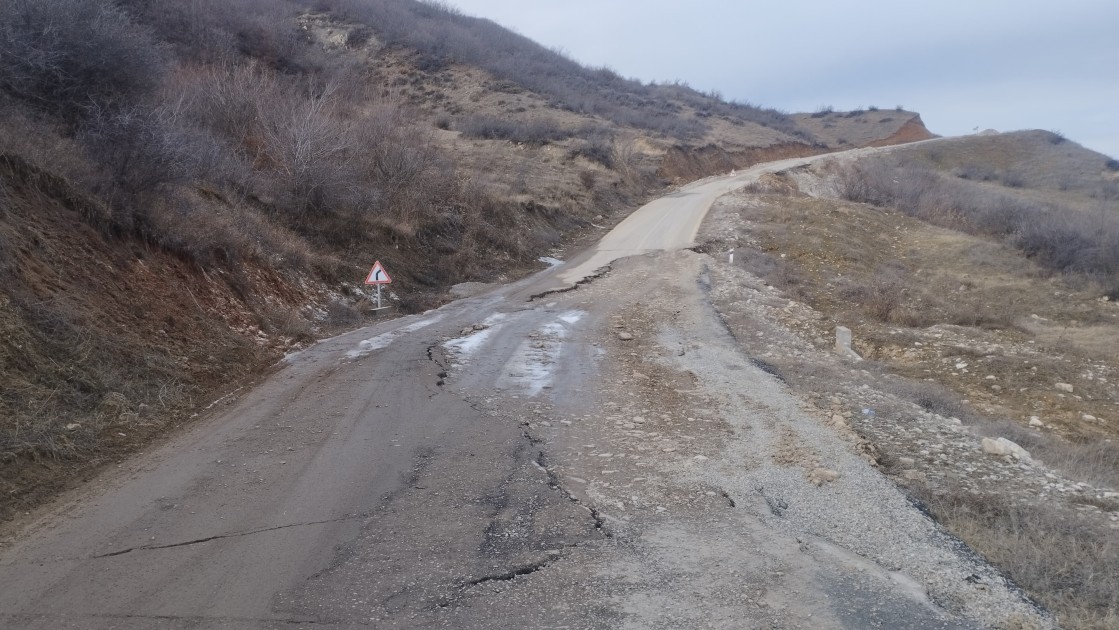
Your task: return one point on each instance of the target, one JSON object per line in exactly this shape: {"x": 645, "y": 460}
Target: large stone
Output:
{"x": 624, "y": 336}
{"x": 1003, "y": 446}
{"x": 1063, "y": 387}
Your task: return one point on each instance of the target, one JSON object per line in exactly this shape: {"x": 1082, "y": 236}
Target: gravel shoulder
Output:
{"x": 728, "y": 497}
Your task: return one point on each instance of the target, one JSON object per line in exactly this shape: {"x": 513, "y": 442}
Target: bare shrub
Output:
{"x": 287, "y": 322}
{"x": 587, "y": 179}
{"x": 64, "y": 55}
{"x": 537, "y": 131}
{"x": 1061, "y": 239}
{"x": 598, "y": 148}
{"x": 340, "y": 314}
{"x": 140, "y": 150}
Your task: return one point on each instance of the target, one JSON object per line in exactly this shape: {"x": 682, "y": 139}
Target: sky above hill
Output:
{"x": 1001, "y": 64}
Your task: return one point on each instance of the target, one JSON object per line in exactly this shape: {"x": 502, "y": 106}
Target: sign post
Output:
{"x": 378, "y": 277}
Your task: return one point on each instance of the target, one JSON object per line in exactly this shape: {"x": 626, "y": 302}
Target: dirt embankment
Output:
{"x": 913, "y": 130}
{"x": 683, "y": 164}
{"x": 107, "y": 341}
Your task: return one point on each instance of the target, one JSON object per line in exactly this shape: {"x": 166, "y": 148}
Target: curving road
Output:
{"x": 415, "y": 473}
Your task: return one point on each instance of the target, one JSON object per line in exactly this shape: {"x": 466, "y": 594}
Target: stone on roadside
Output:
{"x": 914, "y": 475}
{"x": 1003, "y": 446}
{"x": 1035, "y": 421}
{"x": 624, "y": 336}
{"x": 820, "y": 476}
{"x": 1063, "y": 387}
{"x": 73, "y": 426}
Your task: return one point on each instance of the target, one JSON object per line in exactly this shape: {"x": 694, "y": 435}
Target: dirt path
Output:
{"x": 604, "y": 457}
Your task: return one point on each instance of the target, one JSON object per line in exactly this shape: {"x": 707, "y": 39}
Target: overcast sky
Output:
{"x": 1001, "y": 64}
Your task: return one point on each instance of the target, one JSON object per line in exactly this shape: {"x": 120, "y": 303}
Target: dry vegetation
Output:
{"x": 972, "y": 300}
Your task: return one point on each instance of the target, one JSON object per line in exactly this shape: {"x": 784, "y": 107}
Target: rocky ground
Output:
{"x": 728, "y": 498}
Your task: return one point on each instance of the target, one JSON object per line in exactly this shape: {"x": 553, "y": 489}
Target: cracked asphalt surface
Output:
{"x": 505, "y": 462}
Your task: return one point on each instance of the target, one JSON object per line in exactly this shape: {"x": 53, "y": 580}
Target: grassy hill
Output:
{"x": 188, "y": 189}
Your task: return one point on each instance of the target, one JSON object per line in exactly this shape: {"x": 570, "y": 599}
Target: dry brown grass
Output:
{"x": 922, "y": 300}
{"x": 1061, "y": 559}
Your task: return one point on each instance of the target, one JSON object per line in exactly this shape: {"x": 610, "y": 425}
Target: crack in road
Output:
{"x": 598, "y": 273}
{"x": 192, "y": 619}
{"x": 199, "y": 541}
{"x": 525, "y": 569}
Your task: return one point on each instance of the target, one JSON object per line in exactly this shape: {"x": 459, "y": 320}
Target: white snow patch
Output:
{"x": 385, "y": 339}
{"x": 468, "y": 345}
{"x": 551, "y": 262}
{"x": 493, "y": 319}
{"x": 533, "y": 365}
{"x": 572, "y": 317}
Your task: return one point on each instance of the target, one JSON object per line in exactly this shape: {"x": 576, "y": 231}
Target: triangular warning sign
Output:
{"x": 378, "y": 275}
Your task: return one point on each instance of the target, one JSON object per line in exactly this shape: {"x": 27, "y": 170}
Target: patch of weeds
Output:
{"x": 1066, "y": 562}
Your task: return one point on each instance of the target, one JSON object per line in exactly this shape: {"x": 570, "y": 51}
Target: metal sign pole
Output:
{"x": 378, "y": 296}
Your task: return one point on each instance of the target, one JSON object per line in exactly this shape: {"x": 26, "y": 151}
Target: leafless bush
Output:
{"x": 586, "y": 178}
{"x": 286, "y": 322}
{"x": 598, "y": 148}
{"x": 537, "y": 131}
{"x": 141, "y": 150}
{"x": 1061, "y": 239}
{"x": 64, "y": 55}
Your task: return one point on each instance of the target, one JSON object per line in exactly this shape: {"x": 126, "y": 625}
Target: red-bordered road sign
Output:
{"x": 378, "y": 275}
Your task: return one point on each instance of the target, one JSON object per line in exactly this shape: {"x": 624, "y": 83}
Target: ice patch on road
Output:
{"x": 572, "y": 317}
{"x": 532, "y": 368}
{"x": 385, "y": 339}
{"x": 463, "y": 347}
{"x": 551, "y": 262}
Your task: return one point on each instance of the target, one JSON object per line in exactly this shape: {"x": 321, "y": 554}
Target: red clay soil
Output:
{"x": 682, "y": 164}
{"x": 912, "y": 131}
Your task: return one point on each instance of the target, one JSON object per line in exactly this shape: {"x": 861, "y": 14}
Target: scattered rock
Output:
{"x": 1087, "y": 417}
{"x": 1063, "y": 387}
{"x": 624, "y": 336}
{"x": 1003, "y": 446}
{"x": 1035, "y": 421}
{"x": 73, "y": 426}
{"x": 820, "y": 476}
{"x": 914, "y": 475}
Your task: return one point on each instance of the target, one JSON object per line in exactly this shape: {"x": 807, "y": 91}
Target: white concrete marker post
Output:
{"x": 730, "y": 257}
{"x": 378, "y": 277}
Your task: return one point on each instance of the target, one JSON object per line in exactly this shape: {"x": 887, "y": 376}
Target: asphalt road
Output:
{"x": 395, "y": 477}
{"x": 227, "y": 522}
